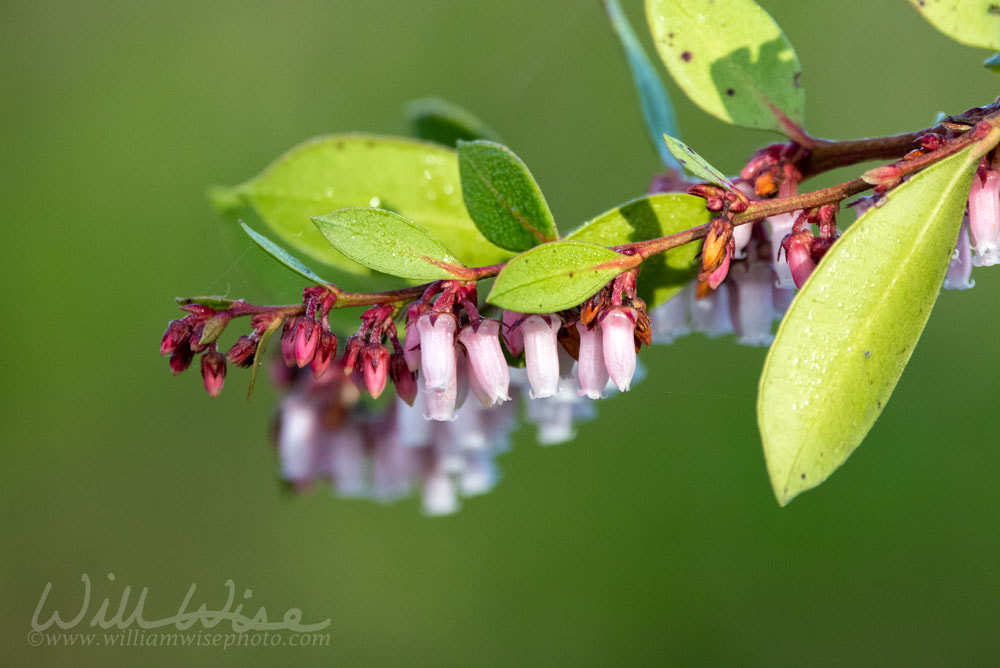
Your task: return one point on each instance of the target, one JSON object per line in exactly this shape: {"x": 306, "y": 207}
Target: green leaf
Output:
{"x": 556, "y": 276}
{"x": 445, "y": 123}
{"x": 502, "y": 197}
{"x": 282, "y": 256}
{"x": 664, "y": 275}
{"x": 258, "y": 356}
{"x": 416, "y": 179}
{"x": 695, "y": 164}
{"x": 217, "y": 303}
{"x": 387, "y": 242}
{"x": 972, "y": 22}
{"x": 731, "y": 59}
{"x": 850, "y": 331}
{"x": 656, "y": 107}
{"x": 993, "y": 63}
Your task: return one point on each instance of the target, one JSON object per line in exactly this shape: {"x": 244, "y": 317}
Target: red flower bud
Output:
{"x": 376, "y": 368}
{"x": 325, "y": 352}
{"x": 404, "y": 379}
{"x": 178, "y": 331}
{"x": 288, "y": 342}
{"x": 242, "y": 352}
{"x": 181, "y": 358}
{"x": 213, "y": 372}
{"x": 307, "y": 333}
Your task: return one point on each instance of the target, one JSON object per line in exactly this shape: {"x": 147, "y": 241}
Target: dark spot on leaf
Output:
{"x": 670, "y": 35}
{"x": 878, "y": 403}
{"x": 993, "y": 9}
{"x": 868, "y": 354}
{"x": 795, "y": 78}
{"x": 730, "y": 92}
{"x": 339, "y": 145}
{"x": 686, "y": 56}
{"x": 803, "y": 476}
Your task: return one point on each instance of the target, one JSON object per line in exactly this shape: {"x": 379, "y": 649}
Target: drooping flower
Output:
{"x": 984, "y": 217}
{"x": 541, "y": 354}
{"x": 798, "y": 249}
{"x": 592, "y": 372}
{"x": 437, "y": 350}
{"x": 512, "y": 332}
{"x": 488, "y": 367}
{"x": 753, "y": 300}
{"x": 960, "y": 270}
{"x": 618, "y": 341}
{"x": 780, "y": 227}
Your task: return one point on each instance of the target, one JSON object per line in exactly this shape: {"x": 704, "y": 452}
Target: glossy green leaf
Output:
{"x": 664, "y": 275}
{"x": 259, "y": 354}
{"x": 731, "y": 59}
{"x": 993, "y": 63}
{"x": 972, "y": 22}
{"x": 657, "y": 110}
{"x": 416, "y": 179}
{"x": 556, "y": 276}
{"x": 850, "y": 331}
{"x": 444, "y": 122}
{"x": 387, "y": 242}
{"x": 695, "y": 164}
{"x": 502, "y": 197}
{"x": 282, "y": 256}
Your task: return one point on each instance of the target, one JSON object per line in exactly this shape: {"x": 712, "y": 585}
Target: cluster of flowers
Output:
{"x": 980, "y": 233}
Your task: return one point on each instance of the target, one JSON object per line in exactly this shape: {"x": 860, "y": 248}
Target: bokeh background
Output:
{"x": 653, "y": 538}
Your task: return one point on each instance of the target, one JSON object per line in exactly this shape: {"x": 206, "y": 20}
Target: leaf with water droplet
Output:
{"x": 695, "y": 164}
{"x": 444, "y": 122}
{"x": 665, "y": 274}
{"x": 282, "y": 256}
{"x": 387, "y": 242}
{"x": 416, "y": 179}
{"x": 556, "y": 276}
{"x": 731, "y": 59}
{"x": 850, "y": 331}
{"x": 502, "y": 197}
{"x": 657, "y": 110}
{"x": 971, "y": 22}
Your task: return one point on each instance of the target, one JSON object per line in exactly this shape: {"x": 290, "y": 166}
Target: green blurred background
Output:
{"x": 653, "y": 538}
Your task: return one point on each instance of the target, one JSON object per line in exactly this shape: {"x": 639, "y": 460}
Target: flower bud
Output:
{"x": 288, "y": 341}
{"x": 307, "y": 333}
{"x": 437, "y": 350}
{"x": 213, "y": 372}
{"x": 512, "y": 332}
{"x": 984, "y": 217}
{"x": 488, "y": 367}
{"x": 798, "y": 249}
{"x": 960, "y": 269}
{"x": 618, "y": 328}
{"x": 242, "y": 352}
{"x": 403, "y": 379}
{"x": 411, "y": 345}
{"x": 352, "y": 350}
{"x": 181, "y": 358}
{"x": 375, "y": 362}
{"x": 326, "y": 351}
{"x": 541, "y": 354}
{"x": 178, "y": 331}
{"x": 592, "y": 372}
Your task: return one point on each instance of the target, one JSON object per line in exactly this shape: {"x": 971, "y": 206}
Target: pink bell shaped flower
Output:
{"x": 541, "y": 354}
{"x": 741, "y": 237}
{"x": 984, "y": 217}
{"x": 781, "y": 226}
{"x": 798, "y": 249}
{"x": 593, "y": 374}
{"x": 511, "y": 333}
{"x": 960, "y": 269}
{"x": 437, "y": 350}
{"x": 439, "y": 404}
{"x": 488, "y": 368}
{"x": 618, "y": 329}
